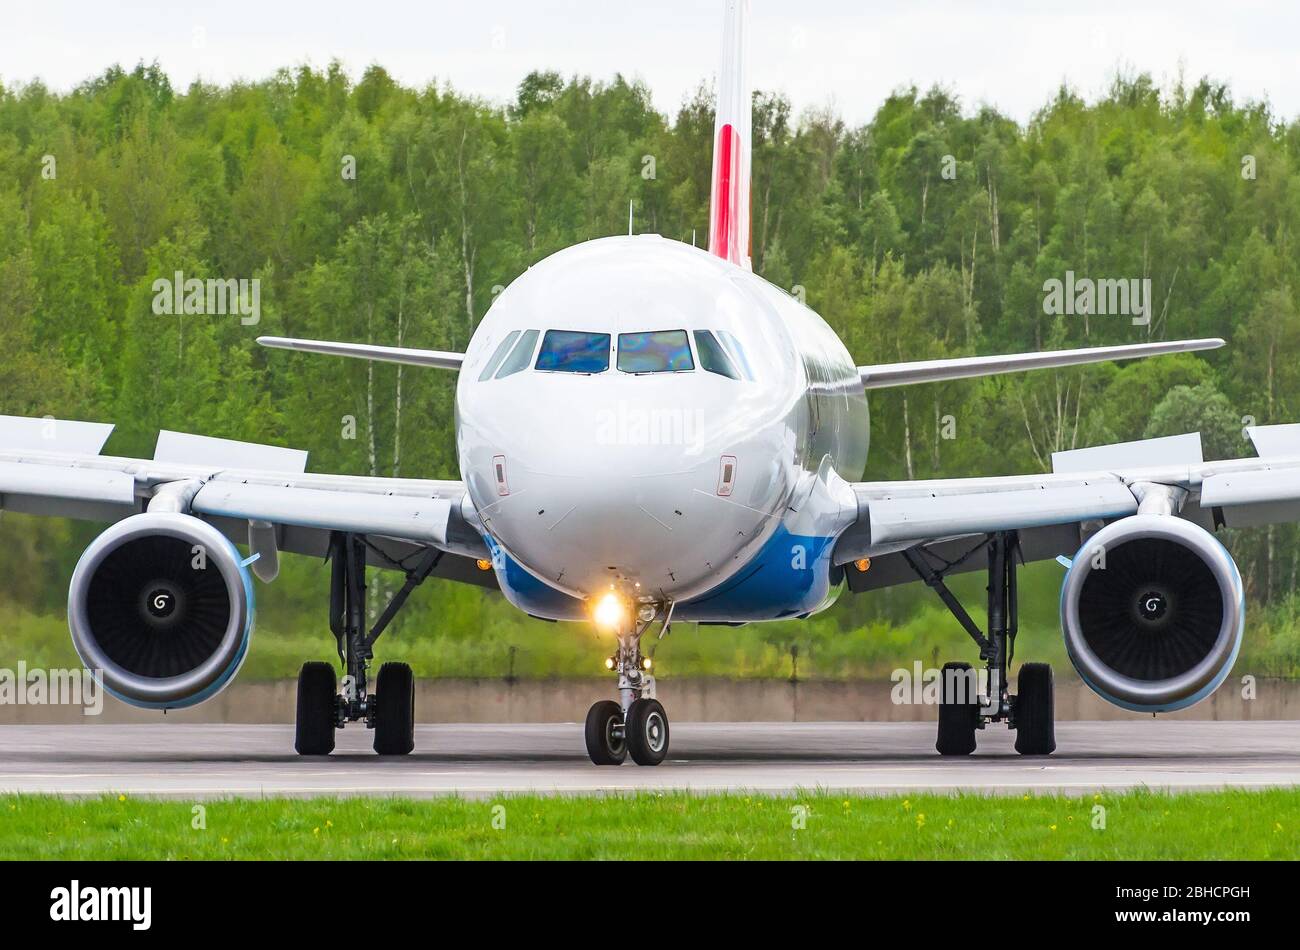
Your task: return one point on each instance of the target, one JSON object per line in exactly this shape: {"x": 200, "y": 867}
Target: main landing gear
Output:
{"x": 390, "y": 708}
{"x": 636, "y": 725}
{"x": 962, "y": 710}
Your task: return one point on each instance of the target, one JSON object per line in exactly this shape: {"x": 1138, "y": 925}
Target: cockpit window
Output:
{"x": 713, "y": 357}
{"x": 498, "y": 356}
{"x": 519, "y": 356}
{"x": 571, "y": 351}
{"x": 660, "y": 351}
{"x": 738, "y": 352}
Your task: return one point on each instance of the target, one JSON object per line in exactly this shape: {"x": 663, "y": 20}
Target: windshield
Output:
{"x": 519, "y": 356}
{"x": 498, "y": 356}
{"x": 738, "y": 351}
{"x": 660, "y": 351}
{"x": 570, "y": 351}
{"x": 712, "y": 356}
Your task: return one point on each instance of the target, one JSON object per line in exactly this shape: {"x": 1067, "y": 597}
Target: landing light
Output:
{"x": 646, "y": 663}
{"x": 483, "y": 564}
{"x": 863, "y": 564}
{"x": 609, "y": 612}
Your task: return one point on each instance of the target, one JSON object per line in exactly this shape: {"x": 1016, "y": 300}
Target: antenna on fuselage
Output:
{"x": 629, "y": 217}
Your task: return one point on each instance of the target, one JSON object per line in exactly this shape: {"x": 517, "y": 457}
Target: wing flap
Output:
{"x": 1275, "y": 441}
{"x": 1166, "y": 450}
{"x": 19, "y": 433}
{"x": 184, "y": 449}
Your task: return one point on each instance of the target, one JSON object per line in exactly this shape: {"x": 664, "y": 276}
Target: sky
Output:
{"x": 837, "y": 53}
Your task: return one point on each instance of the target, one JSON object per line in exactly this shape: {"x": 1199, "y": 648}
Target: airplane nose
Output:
{"x": 608, "y": 495}
{"x": 621, "y": 518}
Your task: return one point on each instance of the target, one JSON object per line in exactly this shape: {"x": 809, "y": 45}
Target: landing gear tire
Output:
{"x": 605, "y": 744}
{"x": 959, "y": 714}
{"x": 317, "y": 716}
{"x": 647, "y": 732}
{"x": 394, "y": 710}
{"x": 1035, "y": 710}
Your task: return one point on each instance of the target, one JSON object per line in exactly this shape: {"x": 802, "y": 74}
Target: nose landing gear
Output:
{"x": 637, "y": 724}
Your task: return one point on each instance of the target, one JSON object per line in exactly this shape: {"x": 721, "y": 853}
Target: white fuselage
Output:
{"x": 665, "y": 483}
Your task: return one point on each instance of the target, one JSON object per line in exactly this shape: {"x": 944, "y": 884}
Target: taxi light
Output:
{"x": 646, "y": 663}
{"x": 483, "y": 564}
{"x": 609, "y": 612}
{"x": 863, "y": 564}
{"x": 609, "y": 662}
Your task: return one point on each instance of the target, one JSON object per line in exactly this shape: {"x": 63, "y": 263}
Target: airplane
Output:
{"x": 648, "y": 432}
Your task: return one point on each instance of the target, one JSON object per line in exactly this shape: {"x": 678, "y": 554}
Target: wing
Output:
{"x": 1052, "y": 513}
{"x": 255, "y": 494}
{"x": 439, "y": 359}
{"x": 884, "y": 375}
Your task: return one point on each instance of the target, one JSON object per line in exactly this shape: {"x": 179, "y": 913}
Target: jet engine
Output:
{"x": 1153, "y": 611}
{"x": 163, "y": 604}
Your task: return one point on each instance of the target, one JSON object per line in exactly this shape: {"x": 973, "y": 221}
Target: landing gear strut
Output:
{"x": 637, "y": 724}
{"x": 962, "y": 710}
{"x": 390, "y": 709}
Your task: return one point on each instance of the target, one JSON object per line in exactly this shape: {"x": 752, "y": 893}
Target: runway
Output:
{"x": 207, "y": 761}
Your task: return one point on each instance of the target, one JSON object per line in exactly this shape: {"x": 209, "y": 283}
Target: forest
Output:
{"x": 369, "y": 211}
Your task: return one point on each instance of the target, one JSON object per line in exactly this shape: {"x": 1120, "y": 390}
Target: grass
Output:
{"x": 1137, "y": 825}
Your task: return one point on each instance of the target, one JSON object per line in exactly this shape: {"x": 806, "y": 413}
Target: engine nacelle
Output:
{"x": 162, "y": 603}
{"x": 1153, "y": 610}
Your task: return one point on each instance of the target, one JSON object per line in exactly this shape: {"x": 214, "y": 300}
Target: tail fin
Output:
{"x": 732, "y": 145}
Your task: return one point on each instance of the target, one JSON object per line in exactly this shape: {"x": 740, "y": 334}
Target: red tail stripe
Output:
{"x": 723, "y": 240}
